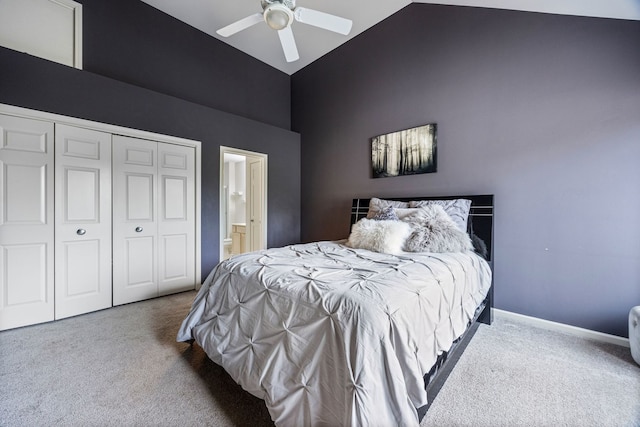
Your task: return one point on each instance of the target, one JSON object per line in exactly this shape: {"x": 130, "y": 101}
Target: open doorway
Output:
{"x": 243, "y": 201}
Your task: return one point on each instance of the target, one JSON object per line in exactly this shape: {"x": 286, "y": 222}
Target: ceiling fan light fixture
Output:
{"x": 278, "y": 16}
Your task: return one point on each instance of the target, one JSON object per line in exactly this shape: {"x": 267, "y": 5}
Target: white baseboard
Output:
{"x": 561, "y": 327}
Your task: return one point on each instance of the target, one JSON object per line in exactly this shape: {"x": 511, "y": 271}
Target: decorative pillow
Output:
{"x": 457, "y": 209}
{"x": 387, "y": 213}
{"x": 379, "y": 236}
{"x": 435, "y": 231}
{"x": 376, "y": 205}
{"x": 402, "y": 213}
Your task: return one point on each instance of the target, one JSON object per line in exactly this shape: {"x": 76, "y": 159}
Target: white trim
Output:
{"x": 561, "y": 327}
{"x": 77, "y": 35}
{"x": 88, "y": 124}
{"x": 198, "y": 201}
{"x": 77, "y": 29}
{"x": 12, "y": 110}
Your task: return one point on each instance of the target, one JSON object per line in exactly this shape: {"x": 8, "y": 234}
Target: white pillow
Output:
{"x": 379, "y": 236}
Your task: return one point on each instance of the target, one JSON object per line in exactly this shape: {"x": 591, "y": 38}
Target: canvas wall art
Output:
{"x": 406, "y": 152}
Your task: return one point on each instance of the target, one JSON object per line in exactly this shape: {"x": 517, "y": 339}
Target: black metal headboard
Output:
{"x": 480, "y": 215}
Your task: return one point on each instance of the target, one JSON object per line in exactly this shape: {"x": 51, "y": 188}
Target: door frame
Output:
{"x": 11, "y": 110}
{"x": 264, "y": 159}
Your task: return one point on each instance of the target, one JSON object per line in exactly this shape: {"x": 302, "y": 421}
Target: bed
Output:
{"x": 331, "y": 333}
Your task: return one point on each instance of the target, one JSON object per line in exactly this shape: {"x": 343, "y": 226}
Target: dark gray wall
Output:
{"x": 541, "y": 110}
{"x": 135, "y": 43}
{"x": 136, "y": 76}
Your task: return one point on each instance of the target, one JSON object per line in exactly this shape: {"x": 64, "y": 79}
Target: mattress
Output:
{"x": 331, "y": 335}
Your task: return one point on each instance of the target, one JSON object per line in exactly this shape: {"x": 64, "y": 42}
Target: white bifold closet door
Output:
{"x": 153, "y": 219}
{"x": 26, "y": 222}
{"x": 83, "y": 221}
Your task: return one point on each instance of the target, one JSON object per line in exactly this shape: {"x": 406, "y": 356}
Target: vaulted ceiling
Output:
{"x": 263, "y": 43}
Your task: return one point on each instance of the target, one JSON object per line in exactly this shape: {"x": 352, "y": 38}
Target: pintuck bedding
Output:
{"x": 330, "y": 335}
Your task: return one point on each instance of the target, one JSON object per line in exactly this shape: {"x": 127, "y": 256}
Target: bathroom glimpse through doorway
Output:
{"x": 243, "y": 201}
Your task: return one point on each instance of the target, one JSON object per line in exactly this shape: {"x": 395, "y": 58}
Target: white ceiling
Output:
{"x": 262, "y": 42}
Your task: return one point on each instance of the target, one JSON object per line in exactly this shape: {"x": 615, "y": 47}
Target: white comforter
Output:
{"x": 330, "y": 335}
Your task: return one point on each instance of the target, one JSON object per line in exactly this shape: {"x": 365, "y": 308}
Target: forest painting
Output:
{"x": 407, "y": 152}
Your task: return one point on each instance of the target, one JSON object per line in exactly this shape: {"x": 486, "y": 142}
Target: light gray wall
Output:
{"x": 541, "y": 110}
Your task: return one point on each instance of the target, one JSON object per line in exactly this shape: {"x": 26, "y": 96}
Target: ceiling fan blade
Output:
{"x": 288, "y": 44}
{"x": 323, "y": 20}
{"x": 240, "y": 25}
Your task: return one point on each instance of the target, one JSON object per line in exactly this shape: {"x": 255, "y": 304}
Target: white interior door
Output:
{"x": 176, "y": 219}
{"x": 134, "y": 219}
{"x": 26, "y": 222}
{"x": 256, "y": 208}
{"x": 83, "y": 221}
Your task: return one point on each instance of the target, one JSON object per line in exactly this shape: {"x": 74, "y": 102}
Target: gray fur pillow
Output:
{"x": 435, "y": 231}
{"x": 457, "y": 209}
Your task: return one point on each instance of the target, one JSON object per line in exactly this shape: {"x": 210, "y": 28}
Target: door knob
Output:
{"x": 81, "y": 232}
{"x": 138, "y": 229}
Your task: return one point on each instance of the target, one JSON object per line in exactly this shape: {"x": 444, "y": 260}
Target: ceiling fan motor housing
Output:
{"x": 291, "y": 4}
{"x": 278, "y": 14}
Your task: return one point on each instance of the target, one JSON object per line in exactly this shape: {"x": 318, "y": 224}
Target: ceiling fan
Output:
{"x": 280, "y": 14}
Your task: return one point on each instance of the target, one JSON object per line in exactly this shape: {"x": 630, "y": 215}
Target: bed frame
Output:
{"x": 481, "y": 224}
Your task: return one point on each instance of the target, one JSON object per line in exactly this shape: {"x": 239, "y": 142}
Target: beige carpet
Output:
{"x": 122, "y": 367}
{"x": 512, "y": 374}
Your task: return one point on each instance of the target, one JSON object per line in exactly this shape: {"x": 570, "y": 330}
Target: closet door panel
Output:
{"x": 140, "y": 262}
{"x": 21, "y": 206}
{"x": 174, "y": 249}
{"x": 83, "y": 221}
{"x": 26, "y": 222}
{"x": 140, "y": 203}
{"x": 86, "y": 280}
{"x": 176, "y": 227}
{"x": 135, "y": 255}
{"x": 25, "y": 273}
